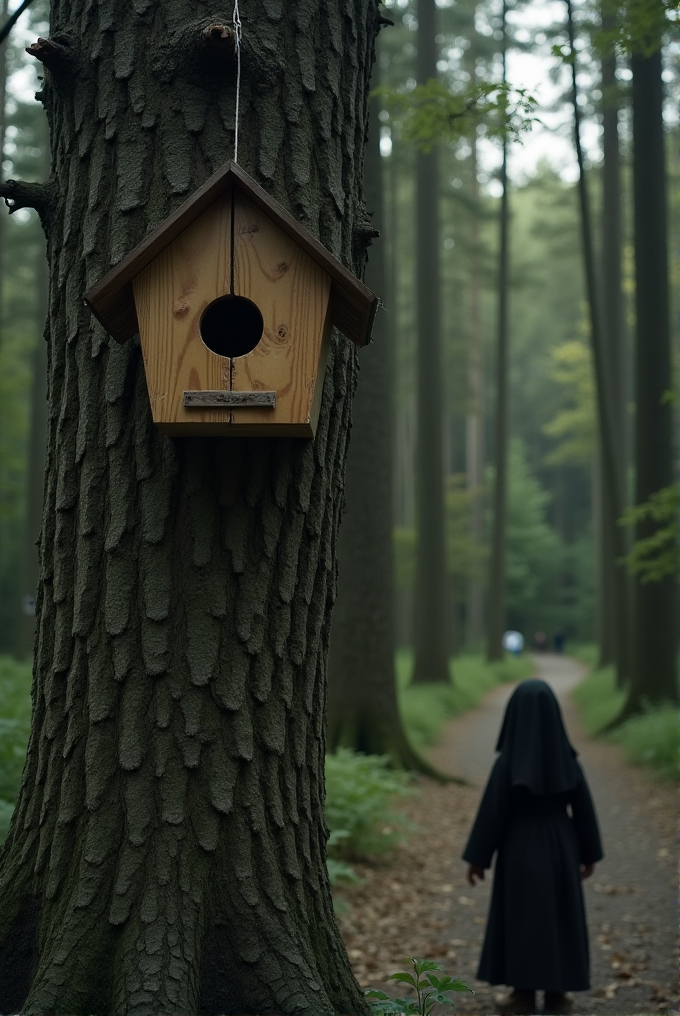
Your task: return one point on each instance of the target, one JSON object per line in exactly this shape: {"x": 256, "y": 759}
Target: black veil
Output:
{"x": 533, "y": 742}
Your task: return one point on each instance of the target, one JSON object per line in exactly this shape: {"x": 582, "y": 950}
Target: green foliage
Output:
{"x": 657, "y": 556}
{"x": 598, "y": 699}
{"x": 426, "y": 707}
{"x": 430, "y": 990}
{"x": 534, "y": 550}
{"x": 360, "y": 790}
{"x": 574, "y": 426}
{"x": 464, "y": 560}
{"x": 427, "y": 114}
{"x": 15, "y": 720}
{"x": 649, "y": 739}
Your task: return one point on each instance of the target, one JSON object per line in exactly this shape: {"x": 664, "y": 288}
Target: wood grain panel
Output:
{"x": 292, "y": 293}
{"x": 171, "y": 293}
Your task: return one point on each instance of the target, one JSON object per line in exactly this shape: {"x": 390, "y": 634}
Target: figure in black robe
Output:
{"x": 537, "y": 814}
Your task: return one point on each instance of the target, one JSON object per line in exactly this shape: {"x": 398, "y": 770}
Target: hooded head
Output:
{"x": 534, "y": 743}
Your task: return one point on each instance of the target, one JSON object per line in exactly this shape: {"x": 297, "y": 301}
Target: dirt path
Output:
{"x": 421, "y": 904}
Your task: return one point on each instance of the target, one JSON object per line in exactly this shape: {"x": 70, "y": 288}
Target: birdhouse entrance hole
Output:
{"x": 231, "y": 326}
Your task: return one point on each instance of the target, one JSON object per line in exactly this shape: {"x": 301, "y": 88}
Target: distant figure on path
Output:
{"x": 536, "y": 936}
{"x": 558, "y": 640}
{"x": 513, "y": 642}
{"x": 540, "y": 641}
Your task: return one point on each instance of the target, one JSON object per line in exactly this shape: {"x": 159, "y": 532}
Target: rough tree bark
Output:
{"x": 167, "y": 849}
{"x": 655, "y": 631}
{"x": 496, "y": 610}
{"x": 431, "y": 642}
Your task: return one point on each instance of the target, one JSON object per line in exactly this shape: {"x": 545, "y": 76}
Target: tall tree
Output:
{"x": 167, "y": 850}
{"x": 4, "y": 8}
{"x": 363, "y": 711}
{"x": 612, "y": 448}
{"x": 496, "y": 618}
{"x": 655, "y": 634}
{"x": 431, "y": 642}
{"x": 613, "y": 595}
{"x": 474, "y": 423}
{"x": 28, "y": 579}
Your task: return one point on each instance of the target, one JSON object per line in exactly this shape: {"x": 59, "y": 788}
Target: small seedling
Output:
{"x": 430, "y": 991}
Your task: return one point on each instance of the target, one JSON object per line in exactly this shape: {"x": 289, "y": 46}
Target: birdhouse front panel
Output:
{"x": 171, "y": 294}
{"x": 234, "y": 305}
{"x": 293, "y": 293}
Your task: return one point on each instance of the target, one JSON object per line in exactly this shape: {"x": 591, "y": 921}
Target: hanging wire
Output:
{"x": 236, "y": 18}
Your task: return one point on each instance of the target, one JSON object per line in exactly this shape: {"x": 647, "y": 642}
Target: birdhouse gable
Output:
{"x": 234, "y": 303}
{"x": 111, "y": 300}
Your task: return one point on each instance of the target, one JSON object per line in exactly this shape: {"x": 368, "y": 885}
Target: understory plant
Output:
{"x": 360, "y": 790}
{"x": 431, "y": 990}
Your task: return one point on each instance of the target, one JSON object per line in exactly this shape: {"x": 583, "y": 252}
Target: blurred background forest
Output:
{"x": 553, "y": 524}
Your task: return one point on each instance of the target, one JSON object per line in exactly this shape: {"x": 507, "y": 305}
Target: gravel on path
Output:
{"x": 421, "y": 905}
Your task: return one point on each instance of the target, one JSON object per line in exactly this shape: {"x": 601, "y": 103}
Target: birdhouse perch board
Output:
{"x": 233, "y": 301}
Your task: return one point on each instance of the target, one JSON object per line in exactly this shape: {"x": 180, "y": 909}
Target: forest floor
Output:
{"x": 421, "y": 905}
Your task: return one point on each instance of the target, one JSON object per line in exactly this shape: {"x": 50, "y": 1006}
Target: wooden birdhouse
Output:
{"x": 233, "y": 301}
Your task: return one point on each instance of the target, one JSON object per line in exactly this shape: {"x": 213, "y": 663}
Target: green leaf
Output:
{"x": 375, "y": 993}
{"x": 422, "y": 965}
{"x": 443, "y": 999}
{"x": 406, "y": 978}
{"x": 456, "y": 985}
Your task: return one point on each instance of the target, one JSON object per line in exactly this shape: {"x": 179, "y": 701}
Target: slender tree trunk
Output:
{"x": 363, "y": 712}
{"x": 614, "y": 596}
{"x": 4, "y": 9}
{"x": 655, "y": 634}
{"x": 496, "y": 594}
{"x": 431, "y": 607}
{"x": 611, "y": 442}
{"x": 474, "y": 424}
{"x": 28, "y": 586}
{"x": 167, "y": 851}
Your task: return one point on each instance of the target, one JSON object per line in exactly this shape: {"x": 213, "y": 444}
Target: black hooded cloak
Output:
{"x": 538, "y": 815}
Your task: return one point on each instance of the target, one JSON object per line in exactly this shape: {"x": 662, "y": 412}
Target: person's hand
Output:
{"x": 587, "y": 870}
{"x": 474, "y": 872}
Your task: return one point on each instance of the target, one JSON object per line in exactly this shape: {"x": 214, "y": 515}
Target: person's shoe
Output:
{"x": 517, "y": 1003}
{"x": 557, "y": 1003}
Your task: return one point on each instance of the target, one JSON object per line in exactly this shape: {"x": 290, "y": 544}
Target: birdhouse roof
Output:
{"x": 111, "y": 300}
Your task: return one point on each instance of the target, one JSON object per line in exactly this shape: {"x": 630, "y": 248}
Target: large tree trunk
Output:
{"x": 655, "y": 635}
{"x": 431, "y": 642}
{"x": 167, "y": 850}
{"x": 496, "y": 619}
{"x": 611, "y": 445}
{"x": 363, "y": 712}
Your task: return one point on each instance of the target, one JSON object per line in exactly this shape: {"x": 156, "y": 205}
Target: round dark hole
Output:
{"x": 231, "y": 326}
